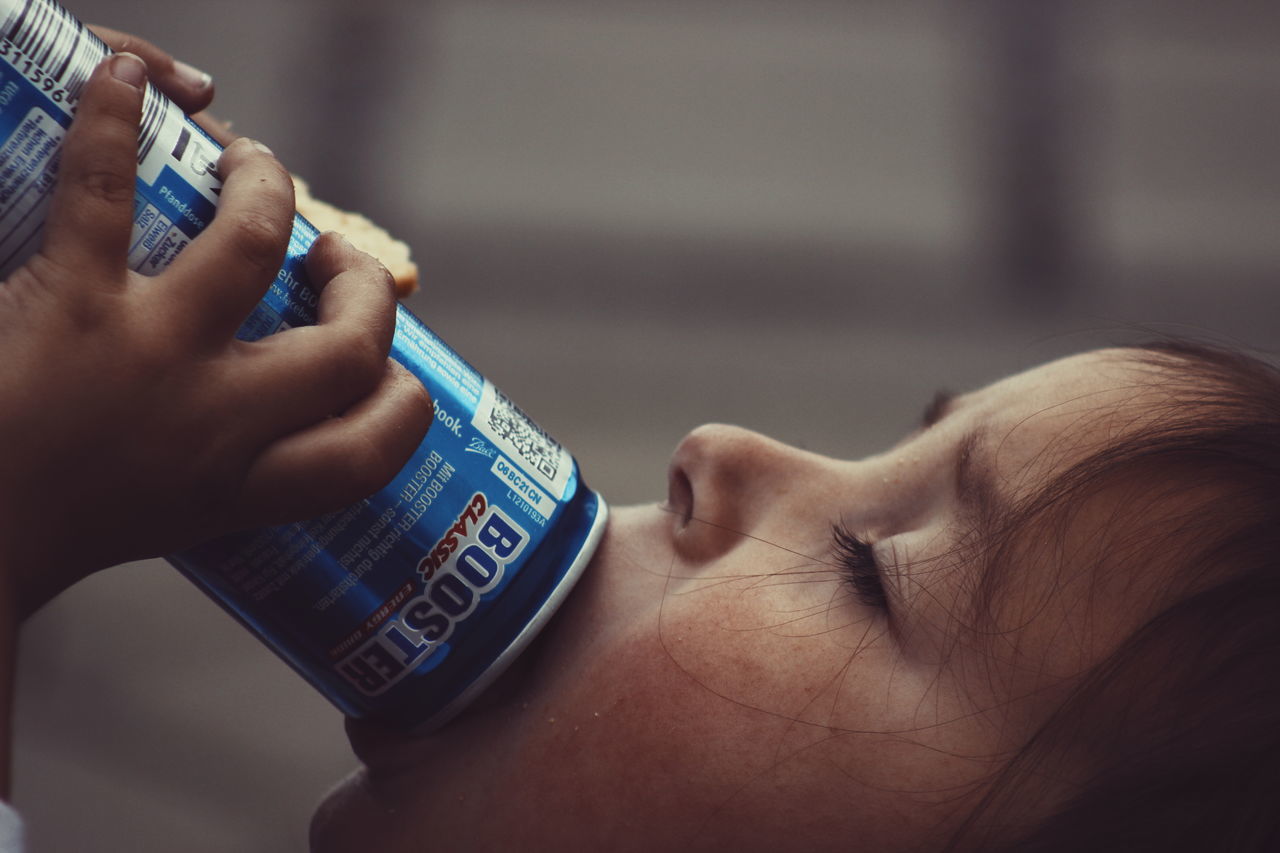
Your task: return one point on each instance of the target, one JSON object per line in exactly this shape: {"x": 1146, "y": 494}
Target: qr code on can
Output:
{"x": 508, "y": 422}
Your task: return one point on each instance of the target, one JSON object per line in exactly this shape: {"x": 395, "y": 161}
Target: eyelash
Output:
{"x": 858, "y": 562}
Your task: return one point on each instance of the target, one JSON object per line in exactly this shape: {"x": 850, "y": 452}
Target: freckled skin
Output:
{"x": 712, "y": 683}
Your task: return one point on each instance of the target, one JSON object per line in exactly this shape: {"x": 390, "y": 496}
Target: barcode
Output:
{"x": 66, "y": 53}
{"x": 536, "y": 447}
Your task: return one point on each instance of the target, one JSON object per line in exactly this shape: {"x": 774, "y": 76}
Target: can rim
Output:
{"x": 526, "y": 635}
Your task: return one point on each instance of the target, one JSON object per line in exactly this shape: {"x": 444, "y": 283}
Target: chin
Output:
{"x": 349, "y": 818}
{"x": 419, "y": 790}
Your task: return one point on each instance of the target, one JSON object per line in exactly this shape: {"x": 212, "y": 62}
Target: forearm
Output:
{"x": 9, "y": 624}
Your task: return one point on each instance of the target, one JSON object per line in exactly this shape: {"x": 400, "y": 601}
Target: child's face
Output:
{"x": 715, "y": 682}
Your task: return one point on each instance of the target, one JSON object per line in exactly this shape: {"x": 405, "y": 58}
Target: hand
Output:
{"x": 132, "y": 422}
{"x": 189, "y": 88}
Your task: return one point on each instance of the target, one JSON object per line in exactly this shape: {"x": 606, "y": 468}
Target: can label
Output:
{"x": 403, "y": 606}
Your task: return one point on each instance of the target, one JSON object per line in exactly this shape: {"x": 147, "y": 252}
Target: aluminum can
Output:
{"x": 404, "y": 606}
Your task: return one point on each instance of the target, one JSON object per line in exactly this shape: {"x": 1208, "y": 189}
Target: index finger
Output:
{"x": 190, "y": 88}
{"x": 225, "y": 271}
{"x": 91, "y": 212}
{"x": 313, "y": 372}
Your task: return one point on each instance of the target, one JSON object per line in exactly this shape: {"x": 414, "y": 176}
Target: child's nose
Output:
{"x": 723, "y": 482}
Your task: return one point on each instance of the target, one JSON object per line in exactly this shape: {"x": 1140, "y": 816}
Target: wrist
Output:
{"x": 32, "y": 573}
{"x": 10, "y": 619}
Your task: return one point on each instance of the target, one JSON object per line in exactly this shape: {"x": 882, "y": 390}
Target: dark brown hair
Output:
{"x": 1172, "y": 741}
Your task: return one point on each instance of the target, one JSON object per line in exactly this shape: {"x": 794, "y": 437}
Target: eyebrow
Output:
{"x": 979, "y": 503}
{"x": 975, "y": 485}
{"x": 938, "y": 408}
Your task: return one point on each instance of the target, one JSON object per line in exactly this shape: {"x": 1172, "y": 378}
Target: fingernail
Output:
{"x": 191, "y": 76}
{"x": 264, "y": 149}
{"x": 129, "y": 69}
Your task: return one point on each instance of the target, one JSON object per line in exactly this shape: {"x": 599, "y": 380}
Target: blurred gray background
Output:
{"x": 801, "y": 216}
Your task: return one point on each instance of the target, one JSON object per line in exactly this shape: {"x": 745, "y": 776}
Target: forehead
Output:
{"x": 1077, "y": 384}
{"x": 1038, "y": 422}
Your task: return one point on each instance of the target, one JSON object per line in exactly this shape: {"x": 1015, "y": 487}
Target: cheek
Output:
{"x": 639, "y": 753}
{"x": 779, "y": 633}
{"x": 736, "y": 705}
{"x": 651, "y": 752}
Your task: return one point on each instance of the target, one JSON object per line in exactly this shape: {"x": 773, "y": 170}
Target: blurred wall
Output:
{"x": 800, "y": 216}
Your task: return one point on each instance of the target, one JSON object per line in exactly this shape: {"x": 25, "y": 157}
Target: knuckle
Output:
{"x": 325, "y": 258}
{"x": 388, "y": 280}
{"x": 372, "y": 357}
{"x": 426, "y": 406}
{"x": 156, "y": 59}
{"x": 359, "y": 365}
{"x": 418, "y": 402}
{"x": 276, "y": 174}
{"x": 246, "y": 159}
{"x": 124, "y": 42}
{"x": 101, "y": 182}
{"x": 359, "y": 262}
{"x": 365, "y": 467}
{"x": 326, "y": 247}
{"x": 259, "y": 240}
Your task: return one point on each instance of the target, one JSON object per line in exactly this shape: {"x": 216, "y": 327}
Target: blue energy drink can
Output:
{"x": 403, "y": 607}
